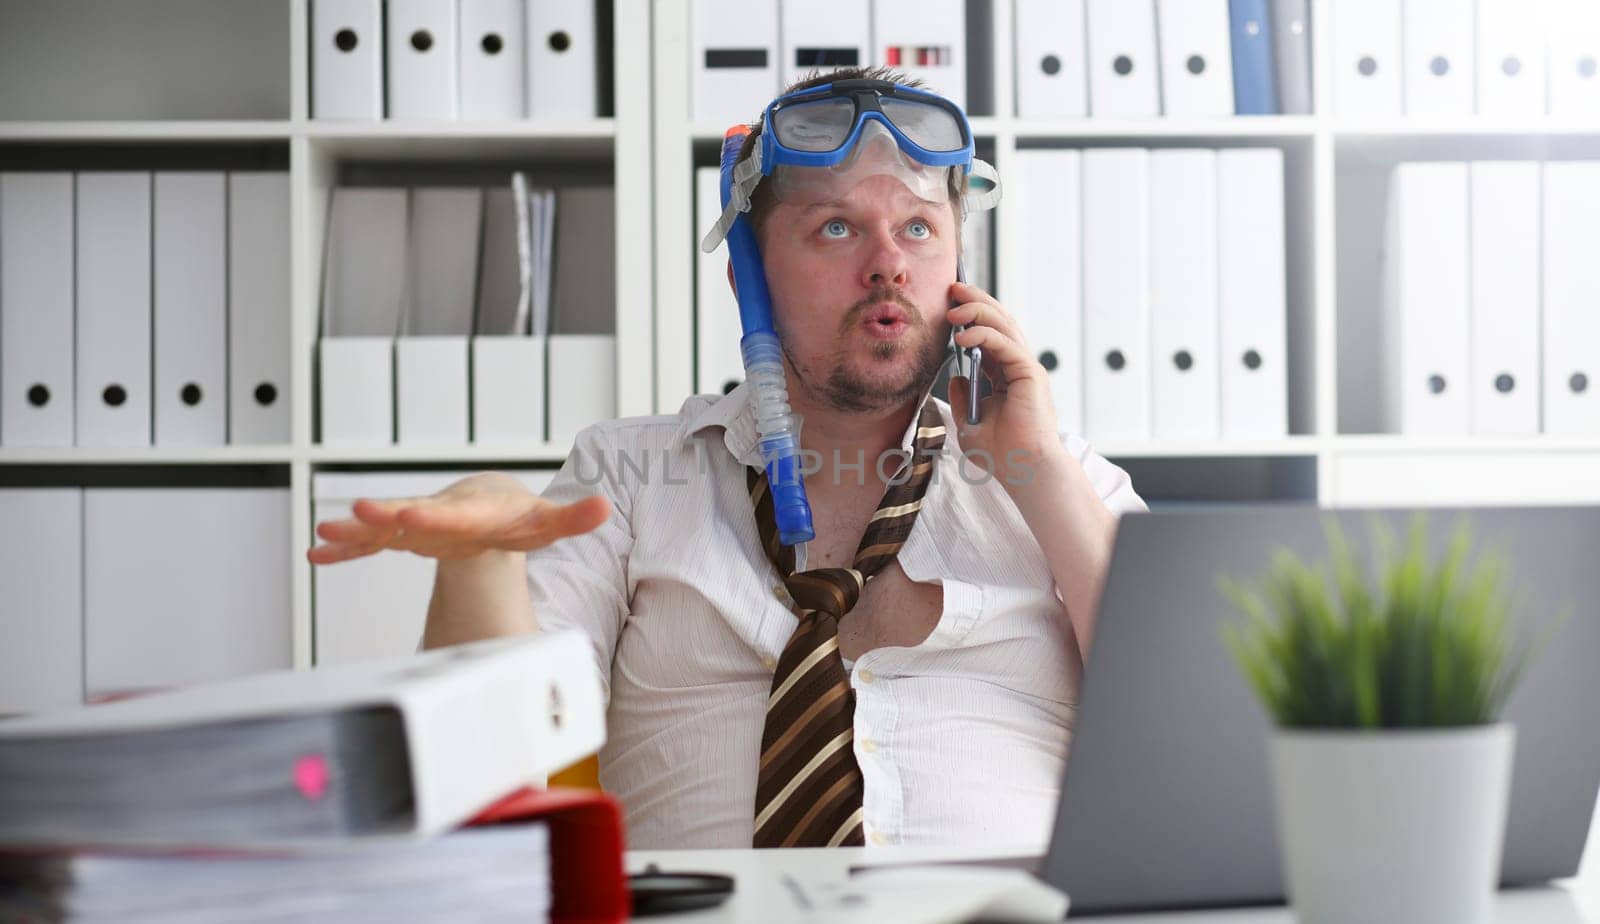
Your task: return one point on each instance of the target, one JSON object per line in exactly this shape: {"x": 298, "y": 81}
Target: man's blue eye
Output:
{"x": 919, "y": 229}
{"x": 835, "y": 228}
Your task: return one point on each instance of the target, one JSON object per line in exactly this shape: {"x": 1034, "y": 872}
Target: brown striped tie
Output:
{"x": 809, "y": 790}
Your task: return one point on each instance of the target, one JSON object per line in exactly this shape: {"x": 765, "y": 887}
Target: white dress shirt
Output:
{"x": 961, "y": 739}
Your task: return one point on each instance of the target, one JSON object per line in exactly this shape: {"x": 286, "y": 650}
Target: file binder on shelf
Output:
{"x": 1254, "y": 85}
{"x": 431, "y": 378}
{"x": 735, "y": 63}
{"x": 36, "y": 309}
{"x": 363, "y": 290}
{"x": 583, "y": 312}
{"x": 1291, "y": 47}
{"x": 1116, "y": 313}
{"x": 1574, "y": 50}
{"x": 719, "y": 366}
{"x": 421, "y": 62}
{"x": 347, "y": 59}
{"x": 494, "y": 55}
{"x": 1504, "y": 288}
{"x": 1511, "y": 58}
{"x": 1197, "y": 71}
{"x": 113, "y": 273}
{"x": 1050, "y": 304}
{"x": 1571, "y": 291}
{"x": 1185, "y": 385}
{"x": 1252, "y": 295}
{"x": 1367, "y": 63}
{"x": 230, "y": 615}
{"x": 1426, "y": 312}
{"x": 258, "y": 308}
{"x": 563, "y": 60}
{"x": 1439, "y": 65}
{"x": 1051, "y": 54}
{"x": 191, "y": 309}
{"x": 926, "y": 40}
{"x": 821, "y": 35}
{"x": 508, "y": 353}
{"x": 41, "y": 662}
{"x": 1123, "y": 79}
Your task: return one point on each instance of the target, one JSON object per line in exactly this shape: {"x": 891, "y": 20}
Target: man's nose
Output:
{"x": 886, "y": 263}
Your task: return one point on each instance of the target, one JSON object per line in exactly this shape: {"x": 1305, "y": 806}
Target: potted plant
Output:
{"x": 1391, "y": 769}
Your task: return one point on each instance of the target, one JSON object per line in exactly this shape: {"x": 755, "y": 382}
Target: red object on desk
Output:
{"x": 586, "y": 877}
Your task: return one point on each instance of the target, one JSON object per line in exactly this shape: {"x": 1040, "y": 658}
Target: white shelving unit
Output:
{"x": 1327, "y": 458}
{"x": 650, "y": 147}
{"x": 315, "y": 153}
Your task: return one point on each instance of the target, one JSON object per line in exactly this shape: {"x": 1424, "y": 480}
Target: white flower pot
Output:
{"x": 1392, "y": 825}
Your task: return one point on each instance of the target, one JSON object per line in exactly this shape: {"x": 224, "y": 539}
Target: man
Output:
{"x": 914, "y": 679}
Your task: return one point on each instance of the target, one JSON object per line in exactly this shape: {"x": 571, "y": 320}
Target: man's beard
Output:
{"x": 848, "y": 392}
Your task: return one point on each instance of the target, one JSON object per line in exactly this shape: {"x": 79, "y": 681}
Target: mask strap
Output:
{"x": 746, "y": 174}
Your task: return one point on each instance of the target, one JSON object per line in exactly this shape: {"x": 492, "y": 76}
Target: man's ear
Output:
{"x": 731, "y": 284}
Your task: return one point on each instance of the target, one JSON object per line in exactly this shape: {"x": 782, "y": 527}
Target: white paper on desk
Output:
{"x": 481, "y": 719}
{"x": 926, "y": 894}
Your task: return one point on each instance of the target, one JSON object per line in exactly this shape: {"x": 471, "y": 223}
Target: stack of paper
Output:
{"x": 477, "y": 874}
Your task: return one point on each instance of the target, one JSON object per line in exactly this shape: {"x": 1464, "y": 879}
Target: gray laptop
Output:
{"x": 1167, "y": 797}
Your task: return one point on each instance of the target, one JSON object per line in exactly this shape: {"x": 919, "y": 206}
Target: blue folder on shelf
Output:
{"x": 1250, "y": 29}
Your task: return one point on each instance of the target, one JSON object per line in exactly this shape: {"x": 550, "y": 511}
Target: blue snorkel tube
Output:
{"x": 776, "y": 427}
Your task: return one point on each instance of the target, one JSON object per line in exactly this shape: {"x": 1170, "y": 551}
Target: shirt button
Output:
{"x": 868, "y": 745}
{"x": 769, "y": 662}
{"x": 781, "y": 592}
{"x": 878, "y": 840}
{"x": 866, "y": 675}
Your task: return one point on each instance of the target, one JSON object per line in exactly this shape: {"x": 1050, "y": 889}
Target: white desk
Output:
{"x": 777, "y": 886}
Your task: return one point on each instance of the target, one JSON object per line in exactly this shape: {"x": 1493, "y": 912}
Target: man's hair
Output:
{"x": 762, "y": 200}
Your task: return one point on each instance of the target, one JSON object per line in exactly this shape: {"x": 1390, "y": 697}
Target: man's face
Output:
{"x": 860, "y": 285}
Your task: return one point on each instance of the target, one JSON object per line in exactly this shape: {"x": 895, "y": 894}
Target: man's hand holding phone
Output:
{"x": 488, "y": 512}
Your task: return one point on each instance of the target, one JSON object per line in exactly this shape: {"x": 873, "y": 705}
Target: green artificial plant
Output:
{"x": 1425, "y": 645}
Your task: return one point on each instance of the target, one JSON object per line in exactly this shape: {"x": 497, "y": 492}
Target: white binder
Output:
{"x": 376, "y": 607}
{"x": 1511, "y": 58}
{"x": 508, "y": 365}
{"x": 583, "y": 383}
{"x": 1252, "y": 293}
{"x": 113, "y": 253}
{"x": 1051, "y": 50}
{"x": 191, "y": 309}
{"x": 1116, "y": 311}
{"x": 421, "y": 59}
{"x": 363, "y": 289}
{"x": 431, "y": 355}
{"x": 41, "y": 548}
{"x": 735, "y": 63}
{"x": 494, "y": 56}
{"x": 229, "y": 613}
{"x": 1504, "y": 296}
{"x": 1571, "y": 294}
{"x": 1439, "y": 59}
{"x": 582, "y": 357}
{"x": 1123, "y": 70}
{"x": 926, "y": 40}
{"x": 1574, "y": 57}
{"x": 1049, "y": 305}
{"x": 346, "y": 59}
{"x": 563, "y": 59}
{"x": 718, "y": 364}
{"x": 258, "y": 308}
{"x": 820, "y": 35}
{"x": 1185, "y": 385}
{"x": 1367, "y": 63}
{"x": 481, "y": 719}
{"x": 1425, "y": 342}
{"x": 1196, "y": 58}
{"x": 36, "y": 308}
